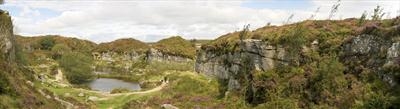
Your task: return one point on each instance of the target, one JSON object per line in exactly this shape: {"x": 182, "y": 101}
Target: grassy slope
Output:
{"x": 123, "y": 45}
{"x": 74, "y": 43}
{"x": 328, "y": 32}
{"x": 331, "y": 35}
{"x": 176, "y": 46}
{"x": 187, "y": 90}
{"x": 17, "y": 93}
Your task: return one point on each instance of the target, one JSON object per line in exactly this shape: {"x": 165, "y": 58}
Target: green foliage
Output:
{"x": 5, "y": 86}
{"x": 77, "y": 67}
{"x": 47, "y": 43}
{"x": 378, "y": 100}
{"x": 59, "y": 50}
{"x": 244, "y": 33}
{"x": 329, "y": 80}
{"x": 279, "y": 104}
{"x": 20, "y": 55}
{"x": 294, "y": 40}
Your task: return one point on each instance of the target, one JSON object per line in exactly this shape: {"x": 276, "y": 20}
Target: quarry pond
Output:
{"x": 108, "y": 84}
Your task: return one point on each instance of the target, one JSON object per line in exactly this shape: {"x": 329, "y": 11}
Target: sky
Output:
{"x": 152, "y": 20}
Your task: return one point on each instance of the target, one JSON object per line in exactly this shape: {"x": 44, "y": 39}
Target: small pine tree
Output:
{"x": 362, "y": 18}
{"x": 289, "y": 19}
{"x": 334, "y": 9}
{"x": 47, "y": 43}
{"x": 378, "y": 13}
{"x": 243, "y": 33}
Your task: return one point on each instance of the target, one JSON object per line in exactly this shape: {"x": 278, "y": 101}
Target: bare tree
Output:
{"x": 362, "y": 18}
{"x": 334, "y": 10}
{"x": 378, "y": 13}
{"x": 1, "y": 2}
{"x": 244, "y": 32}
{"x": 315, "y": 14}
{"x": 289, "y": 19}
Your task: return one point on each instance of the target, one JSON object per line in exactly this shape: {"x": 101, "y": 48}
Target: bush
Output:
{"x": 77, "y": 67}
{"x": 47, "y": 43}
{"x": 59, "y": 50}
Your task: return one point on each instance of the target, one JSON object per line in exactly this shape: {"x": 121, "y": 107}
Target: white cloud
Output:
{"x": 101, "y": 21}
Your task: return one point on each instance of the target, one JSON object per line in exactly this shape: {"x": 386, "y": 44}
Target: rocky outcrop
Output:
{"x": 156, "y": 55}
{"x": 262, "y": 56}
{"x": 150, "y": 55}
{"x": 365, "y": 51}
{"x": 7, "y": 38}
{"x": 393, "y": 54}
{"x": 372, "y": 52}
{"x": 113, "y": 56}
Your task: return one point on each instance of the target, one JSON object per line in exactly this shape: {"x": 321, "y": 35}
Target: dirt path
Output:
{"x": 59, "y": 76}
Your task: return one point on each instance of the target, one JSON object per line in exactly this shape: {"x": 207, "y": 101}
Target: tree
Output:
{"x": 59, "y": 50}
{"x": 362, "y": 18}
{"x": 289, "y": 19}
{"x": 334, "y": 9}
{"x": 378, "y": 13}
{"x": 77, "y": 67}
{"x": 243, "y": 34}
{"x": 1, "y": 2}
{"x": 315, "y": 14}
{"x": 47, "y": 43}
{"x": 294, "y": 40}
{"x": 329, "y": 80}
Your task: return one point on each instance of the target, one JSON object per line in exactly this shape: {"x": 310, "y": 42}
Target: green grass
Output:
{"x": 188, "y": 90}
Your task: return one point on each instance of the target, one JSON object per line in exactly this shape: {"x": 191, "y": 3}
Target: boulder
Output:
{"x": 92, "y": 98}
{"x": 168, "y": 106}
{"x": 81, "y": 94}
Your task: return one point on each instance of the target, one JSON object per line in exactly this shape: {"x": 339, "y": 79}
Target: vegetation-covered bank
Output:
{"x": 17, "y": 89}
{"x": 311, "y": 64}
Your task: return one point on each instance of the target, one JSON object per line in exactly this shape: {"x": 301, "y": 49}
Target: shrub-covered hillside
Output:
{"x": 17, "y": 90}
{"x": 123, "y": 45}
{"x": 351, "y": 63}
{"x": 331, "y": 33}
{"x": 176, "y": 46}
{"x": 48, "y": 41}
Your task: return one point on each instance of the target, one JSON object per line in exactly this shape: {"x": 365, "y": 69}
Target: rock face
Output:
{"x": 373, "y": 52}
{"x": 262, "y": 56}
{"x": 113, "y": 56}
{"x": 7, "y": 38}
{"x": 150, "y": 55}
{"x": 168, "y": 106}
{"x": 362, "y": 51}
{"x": 156, "y": 55}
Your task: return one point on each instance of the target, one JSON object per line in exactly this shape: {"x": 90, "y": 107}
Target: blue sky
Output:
{"x": 150, "y": 21}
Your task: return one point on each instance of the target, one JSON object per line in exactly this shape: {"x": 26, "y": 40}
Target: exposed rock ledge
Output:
{"x": 263, "y": 56}
{"x": 150, "y": 55}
